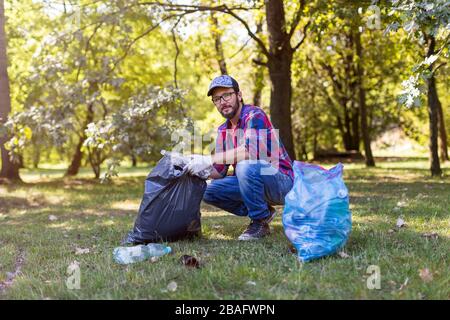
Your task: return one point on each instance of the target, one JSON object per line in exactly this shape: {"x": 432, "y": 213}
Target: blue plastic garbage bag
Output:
{"x": 316, "y": 217}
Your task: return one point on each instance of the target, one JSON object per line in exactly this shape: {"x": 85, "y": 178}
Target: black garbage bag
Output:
{"x": 170, "y": 207}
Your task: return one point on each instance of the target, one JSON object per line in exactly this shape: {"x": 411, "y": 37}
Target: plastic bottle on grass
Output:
{"x": 127, "y": 255}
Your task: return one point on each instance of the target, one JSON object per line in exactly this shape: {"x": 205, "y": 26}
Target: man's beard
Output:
{"x": 233, "y": 112}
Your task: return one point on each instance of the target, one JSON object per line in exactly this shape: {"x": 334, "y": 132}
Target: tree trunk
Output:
{"x": 258, "y": 79}
{"x": 279, "y": 64}
{"x": 75, "y": 165}
{"x": 218, "y": 45}
{"x": 96, "y": 169}
{"x": 370, "y": 162}
{"x": 355, "y": 120}
{"x": 133, "y": 161}
{"x": 433, "y": 102}
{"x": 96, "y": 160}
{"x": 344, "y": 133}
{"x": 21, "y": 163}
{"x": 9, "y": 169}
{"x": 258, "y": 86}
{"x": 349, "y": 90}
{"x": 36, "y": 157}
{"x": 442, "y": 133}
{"x": 350, "y": 128}
{"x": 280, "y": 100}
{"x": 315, "y": 143}
{"x": 344, "y": 88}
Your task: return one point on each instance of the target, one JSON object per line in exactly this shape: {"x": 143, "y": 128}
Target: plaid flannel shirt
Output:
{"x": 261, "y": 140}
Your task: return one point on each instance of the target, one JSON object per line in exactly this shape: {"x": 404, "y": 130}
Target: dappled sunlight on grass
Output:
{"x": 62, "y": 225}
{"x": 51, "y": 172}
{"x": 125, "y": 205}
{"x": 219, "y": 236}
{"x": 107, "y": 223}
{"x": 215, "y": 214}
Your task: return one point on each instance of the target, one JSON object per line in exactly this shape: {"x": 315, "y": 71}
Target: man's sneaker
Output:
{"x": 257, "y": 229}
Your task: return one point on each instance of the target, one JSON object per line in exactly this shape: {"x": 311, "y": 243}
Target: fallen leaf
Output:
{"x": 401, "y": 204}
{"x": 426, "y": 275}
{"x": 431, "y": 235}
{"x": 400, "y": 223}
{"x": 52, "y": 217}
{"x": 190, "y": 261}
{"x": 172, "y": 286}
{"x": 292, "y": 249}
{"x": 343, "y": 255}
{"x": 82, "y": 251}
{"x": 403, "y": 286}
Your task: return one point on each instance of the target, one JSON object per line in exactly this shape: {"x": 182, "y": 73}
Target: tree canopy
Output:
{"x": 96, "y": 81}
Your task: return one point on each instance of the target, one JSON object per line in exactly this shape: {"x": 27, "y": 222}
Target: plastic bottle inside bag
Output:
{"x": 127, "y": 255}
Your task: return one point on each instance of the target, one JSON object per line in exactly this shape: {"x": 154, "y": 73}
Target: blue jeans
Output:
{"x": 250, "y": 190}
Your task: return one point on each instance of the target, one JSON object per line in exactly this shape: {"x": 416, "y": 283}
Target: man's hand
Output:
{"x": 200, "y": 165}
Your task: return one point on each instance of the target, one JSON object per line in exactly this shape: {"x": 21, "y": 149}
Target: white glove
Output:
{"x": 200, "y": 165}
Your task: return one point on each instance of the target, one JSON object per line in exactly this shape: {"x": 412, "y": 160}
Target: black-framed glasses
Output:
{"x": 226, "y": 97}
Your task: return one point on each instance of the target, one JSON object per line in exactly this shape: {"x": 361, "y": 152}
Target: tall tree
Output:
{"x": 258, "y": 77}
{"x": 370, "y": 162}
{"x": 9, "y": 169}
{"x": 338, "y": 65}
{"x": 425, "y": 21}
{"x": 279, "y": 61}
{"x": 345, "y": 72}
{"x": 217, "y": 35}
{"x": 278, "y": 55}
{"x": 433, "y": 109}
{"x": 442, "y": 134}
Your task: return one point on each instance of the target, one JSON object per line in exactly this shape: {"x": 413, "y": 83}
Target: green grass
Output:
{"x": 96, "y": 216}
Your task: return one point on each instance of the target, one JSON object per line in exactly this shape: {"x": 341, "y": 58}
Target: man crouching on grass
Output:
{"x": 262, "y": 168}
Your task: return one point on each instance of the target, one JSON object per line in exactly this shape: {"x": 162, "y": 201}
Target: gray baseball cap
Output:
{"x": 224, "y": 81}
